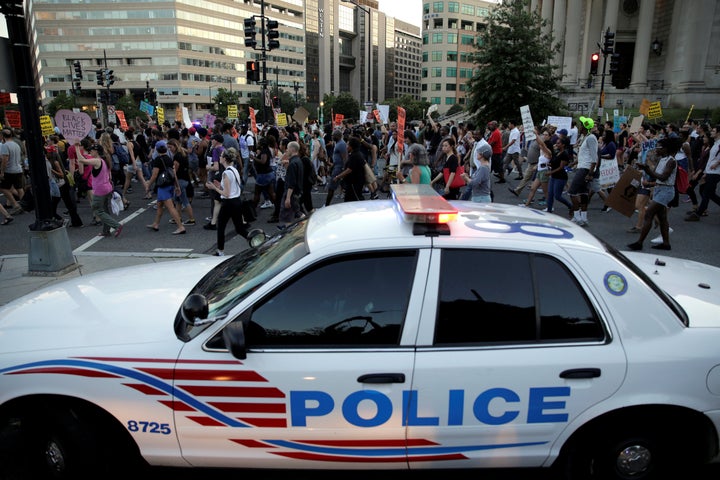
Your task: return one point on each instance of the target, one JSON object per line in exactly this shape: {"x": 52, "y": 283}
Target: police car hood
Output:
{"x": 694, "y": 285}
{"x": 115, "y": 307}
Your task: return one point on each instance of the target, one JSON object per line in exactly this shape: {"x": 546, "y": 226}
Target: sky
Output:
{"x": 409, "y": 11}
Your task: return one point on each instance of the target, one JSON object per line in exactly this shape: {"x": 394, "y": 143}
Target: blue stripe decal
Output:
{"x": 141, "y": 377}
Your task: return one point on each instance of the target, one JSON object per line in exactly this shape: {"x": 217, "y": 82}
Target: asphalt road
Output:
{"x": 691, "y": 240}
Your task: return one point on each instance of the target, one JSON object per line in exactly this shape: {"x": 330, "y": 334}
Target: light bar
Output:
{"x": 422, "y": 204}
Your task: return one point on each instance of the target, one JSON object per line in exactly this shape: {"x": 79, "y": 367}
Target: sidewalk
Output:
{"x": 16, "y": 280}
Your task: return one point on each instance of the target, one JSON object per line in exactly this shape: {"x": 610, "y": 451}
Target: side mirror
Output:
{"x": 234, "y": 337}
{"x": 194, "y": 309}
{"x": 256, "y": 237}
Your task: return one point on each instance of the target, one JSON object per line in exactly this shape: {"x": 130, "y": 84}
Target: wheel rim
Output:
{"x": 633, "y": 460}
{"x": 54, "y": 457}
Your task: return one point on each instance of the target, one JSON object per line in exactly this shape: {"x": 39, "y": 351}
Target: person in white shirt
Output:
{"x": 587, "y": 162}
{"x": 512, "y": 155}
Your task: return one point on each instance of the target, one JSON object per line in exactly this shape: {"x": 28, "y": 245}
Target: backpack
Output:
{"x": 121, "y": 157}
{"x": 682, "y": 181}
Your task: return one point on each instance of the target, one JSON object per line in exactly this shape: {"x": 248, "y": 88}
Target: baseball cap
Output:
{"x": 161, "y": 145}
{"x": 486, "y": 153}
{"x": 588, "y": 123}
{"x": 562, "y": 131}
{"x": 192, "y": 130}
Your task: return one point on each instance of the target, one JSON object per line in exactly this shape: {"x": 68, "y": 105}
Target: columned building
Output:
{"x": 665, "y": 50}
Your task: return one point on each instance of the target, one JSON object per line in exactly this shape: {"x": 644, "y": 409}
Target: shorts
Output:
{"x": 543, "y": 176}
{"x": 289, "y": 215}
{"x": 264, "y": 179}
{"x": 579, "y": 186}
{"x": 663, "y": 194}
{"x": 644, "y": 191}
{"x": 12, "y": 180}
{"x": 165, "y": 193}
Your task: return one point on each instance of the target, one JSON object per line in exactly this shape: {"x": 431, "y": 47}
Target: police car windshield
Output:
{"x": 229, "y": 283}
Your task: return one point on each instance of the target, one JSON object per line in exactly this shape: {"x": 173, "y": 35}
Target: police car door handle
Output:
{"x": 581, "y": 373}
{"x": 382, "y": 378}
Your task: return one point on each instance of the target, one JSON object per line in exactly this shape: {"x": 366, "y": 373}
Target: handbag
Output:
{"x": 166, "y": 177}
{"x": 457, "y": 180}
{"x": 682, "y": 182}
{"x": 369, "y": 175}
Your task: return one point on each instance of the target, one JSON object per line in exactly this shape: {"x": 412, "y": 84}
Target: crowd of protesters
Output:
{"x": 352, "y": 162}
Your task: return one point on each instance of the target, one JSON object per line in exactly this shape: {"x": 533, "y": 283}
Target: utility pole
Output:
{"x": 268, "y": 28}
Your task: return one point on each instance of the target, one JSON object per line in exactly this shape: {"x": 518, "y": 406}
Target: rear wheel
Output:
{"x": 623, "y": 455}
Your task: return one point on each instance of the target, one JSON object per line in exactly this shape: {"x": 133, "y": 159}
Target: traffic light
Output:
{"x": 77, "y": 86}
{"x": 614, "y": 62}
{"x": 609, "y": 44}
{"x": 250, "y": 32}
{"x": 78, "y": 69}
{"x": 272, "y": 34}
{"x": 594, "y": 59}
{"x": 109, "y": 77}
{"x": 252, "y": 71}
{"x": 99, "y": 76}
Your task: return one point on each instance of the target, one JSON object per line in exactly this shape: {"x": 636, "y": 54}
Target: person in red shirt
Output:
{"x": 495, "y": 141}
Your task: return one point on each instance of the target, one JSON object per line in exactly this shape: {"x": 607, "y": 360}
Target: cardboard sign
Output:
{"x": 622, "y": 196}
{"x": 5, "y": 98}
{"x": 281, "y": 119}
{"x": 161, "y": 115}
{"x": 339, "y": 117}
{"x": 74, "y": 125}
{"x": 232, "y": 111}
{"x": 401, "y": 129}
{"x": 636, "y": 124}
{"x": 147, "y": 108}
{"x": 121, "y": 118}
{"x": 528, "y": 124}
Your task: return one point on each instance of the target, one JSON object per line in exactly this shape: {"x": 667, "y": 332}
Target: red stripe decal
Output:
{"x": 206, "y": 421}
{"x": 146, "y": 389}
{"x": 266, "y": 422}
{"x": 177, "y": 406}
{"x": 432, "y": 458}
{"x": 211, "y": 375}
{"x": 253, "y": 392}
{"x": 249, "y": 407}
{"x": 163, "y": 360}
{"x": 67, "y": 371}
{"x": 251, "y": 443}
{"x": 332, "y": 458}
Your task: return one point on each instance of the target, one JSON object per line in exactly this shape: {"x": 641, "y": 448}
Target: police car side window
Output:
{"x": 510, "y": 297}
{"x": 346, "y": 301}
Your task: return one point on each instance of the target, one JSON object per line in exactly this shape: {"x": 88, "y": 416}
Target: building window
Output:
{"x": 436, "y": 72}
{"x": 467, "y": 39}
{"x": 450, "y": 101}
{"x": 450, "y": 87}
{"x": 425, "y": 39}
{"x": 468, "y": 9}
{"x": 346, "y": 18}
{"x": 438, "y": 7}
{"x": 452, "y": 56}
{"x": 438, "y": 23}
{"x": 452, "y": 38}
{"x": 436, "y": 56}
{"x": 425, "y": 56}
{"x": 424, "y": 72}
{"x": 426, "y": 8}
{"x": 451, "y": 72}
{"x": 463, "y": 87}
{"x": 434, "y": 100}
{"x": 436, "y": 87}
{"x": 423, "y": 87}
{"x": 482, "y": 11}
{"x": 438, "y": 38}
{"x": 453, "y": 7}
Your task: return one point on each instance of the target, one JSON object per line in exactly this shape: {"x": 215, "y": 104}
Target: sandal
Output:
{"x": 7, "y": 220}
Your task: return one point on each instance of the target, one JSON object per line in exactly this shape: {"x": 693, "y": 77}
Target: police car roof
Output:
{"x": 378, "y": 223}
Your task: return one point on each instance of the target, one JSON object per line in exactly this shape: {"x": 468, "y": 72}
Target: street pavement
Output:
{"x": 137, "y": 244}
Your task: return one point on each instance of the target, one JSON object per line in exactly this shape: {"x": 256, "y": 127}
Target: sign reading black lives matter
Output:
{"x": 73, "y": 125}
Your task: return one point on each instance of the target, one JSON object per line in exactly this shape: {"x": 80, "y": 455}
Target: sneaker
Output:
{"x": 512, "y": 190}
{"x": 583, "y": 223}
{"x": 267, "y": 204}
{"x": 210, "y": 226}
{"x": 374, "y": 196}
{"x": 172, "y": 221}
{"x": 190, "y": 221}
{"x": 657, "y": 240}
{"x": 208, "y": 219}
{"x": 633, "y": 230}
{"x": 219, "y": 253}
{"x": 635, "y": 246}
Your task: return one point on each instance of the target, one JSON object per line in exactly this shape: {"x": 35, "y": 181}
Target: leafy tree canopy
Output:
{"x": 62, "y": 101}
{"x": 515, "y": 67}
{"x": 414, "y": 109}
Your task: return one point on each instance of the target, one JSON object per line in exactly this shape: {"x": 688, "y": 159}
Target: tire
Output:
{"x": 622, "y": 455}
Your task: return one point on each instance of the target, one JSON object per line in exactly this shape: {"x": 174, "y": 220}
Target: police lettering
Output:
{"x": 495, "y": 406}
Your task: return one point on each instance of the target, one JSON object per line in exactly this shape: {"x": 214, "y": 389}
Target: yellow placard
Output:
{"x": 46, "y": 126}
{"x": 281, "y": 119}
{"x": 654, "y": 110}
{"x": 161, "y": 115}
{"x": 232, "y": 111}
{"x": 644, "y": 105}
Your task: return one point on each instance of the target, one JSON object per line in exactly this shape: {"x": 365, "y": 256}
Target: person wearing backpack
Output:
{"x": 108, "y": 142}
{"x": 165, "y": 193}
{"x": 247, "y": 152}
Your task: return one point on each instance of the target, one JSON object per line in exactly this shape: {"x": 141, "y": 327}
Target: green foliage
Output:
{"x": 62, "y": 101}
{"x": 515, "y": 67}
{"x": 414, "y": 109}
{"x": 130, "y": 107}
{"x": 344, "y": 104}
{"x": 221, "y": 100}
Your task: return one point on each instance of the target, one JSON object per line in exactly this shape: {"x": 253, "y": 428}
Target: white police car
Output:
{"x": 410, "y": 333}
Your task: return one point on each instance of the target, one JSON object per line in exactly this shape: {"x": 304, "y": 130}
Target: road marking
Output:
{"x": 97, "y": 238}
{"x": 173, "y": 250}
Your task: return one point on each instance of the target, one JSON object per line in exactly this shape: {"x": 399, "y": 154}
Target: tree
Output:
{"x": 414, "y": 109}
{"x": 457, "y": 108}
{"x": 514, "y": 67}
{"x": 221, "y": 100}
{"x": 62, "y": 101}
{"x": 130, "y": 107}
{"x": 344, "y": 104}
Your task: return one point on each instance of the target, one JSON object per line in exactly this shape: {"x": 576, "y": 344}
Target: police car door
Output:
{"x": 511, "y": 352}
{"x": 329, "y": 355}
